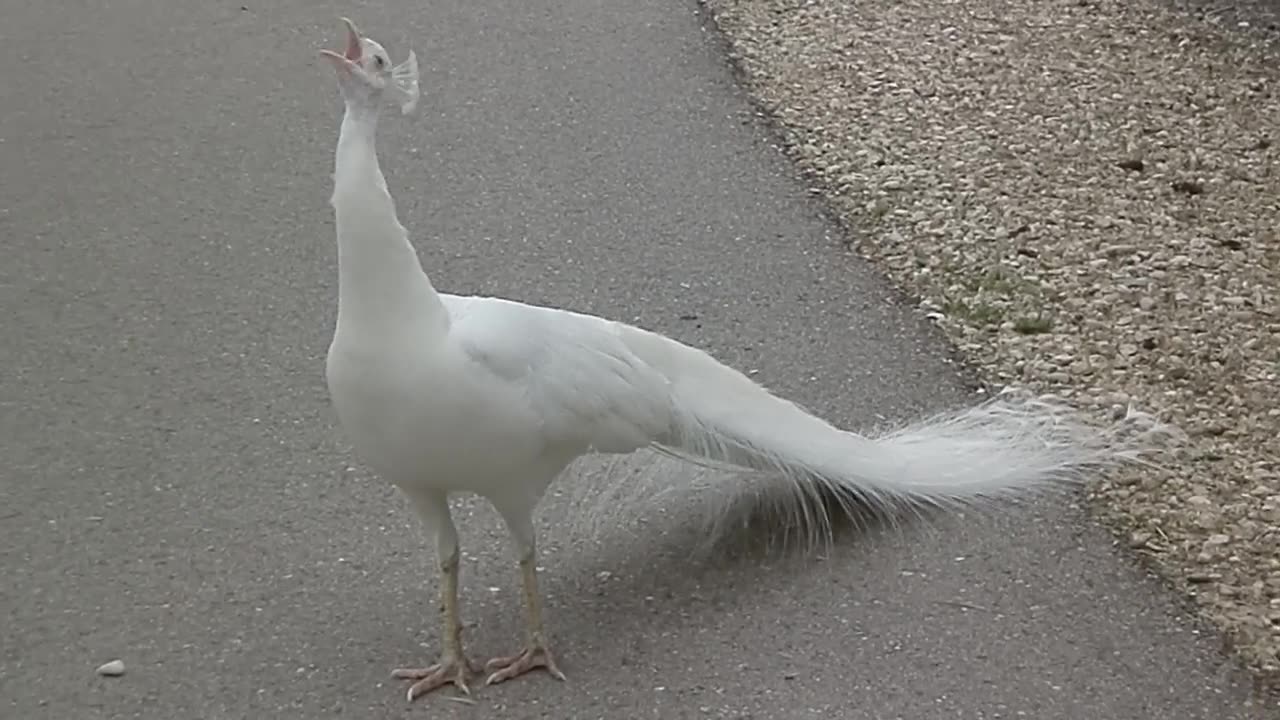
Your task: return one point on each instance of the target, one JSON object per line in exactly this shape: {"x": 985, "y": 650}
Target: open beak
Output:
{"x": 353, "y": 41}
{"x": 353, "y": 52}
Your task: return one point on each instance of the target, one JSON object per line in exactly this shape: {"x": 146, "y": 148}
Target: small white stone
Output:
{"x": 115, "y": 668}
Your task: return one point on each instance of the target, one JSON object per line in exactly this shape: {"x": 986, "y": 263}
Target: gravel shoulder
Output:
{"x": 1084, "y": 195}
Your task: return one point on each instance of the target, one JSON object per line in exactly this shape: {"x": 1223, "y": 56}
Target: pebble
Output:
{"x": 115, "y": 668}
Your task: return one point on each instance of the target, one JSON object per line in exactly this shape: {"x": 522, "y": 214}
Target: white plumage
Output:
{"x": 443, "y": 394}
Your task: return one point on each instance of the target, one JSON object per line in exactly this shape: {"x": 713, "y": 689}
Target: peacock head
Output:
{"x": 365, "y": 73}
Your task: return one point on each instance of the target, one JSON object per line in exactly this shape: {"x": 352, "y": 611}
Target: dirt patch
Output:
{"x": 1084, "y": 194}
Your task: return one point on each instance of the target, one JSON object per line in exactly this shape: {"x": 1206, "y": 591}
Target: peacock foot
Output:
{"x": 448, "y": 670}
{"x": 514, "y": 665}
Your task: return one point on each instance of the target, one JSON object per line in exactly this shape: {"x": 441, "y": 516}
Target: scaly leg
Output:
{"x": 454, "y": 667}
{"x": 536, "y": 653}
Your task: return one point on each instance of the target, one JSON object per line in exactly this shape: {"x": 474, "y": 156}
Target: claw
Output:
{"x": 436, "y": 676}
{"x": 516, "y": 665}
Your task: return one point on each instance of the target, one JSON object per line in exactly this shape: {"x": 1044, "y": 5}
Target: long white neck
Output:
{"x": 381, "y": 285}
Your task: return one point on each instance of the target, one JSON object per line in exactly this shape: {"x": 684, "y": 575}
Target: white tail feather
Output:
{"x": 797, "y": 463}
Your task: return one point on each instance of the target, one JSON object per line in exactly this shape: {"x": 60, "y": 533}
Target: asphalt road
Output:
{"x": 174, "y": 494}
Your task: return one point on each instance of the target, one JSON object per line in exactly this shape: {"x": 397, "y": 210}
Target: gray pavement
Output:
{"x": 173, "y": 491}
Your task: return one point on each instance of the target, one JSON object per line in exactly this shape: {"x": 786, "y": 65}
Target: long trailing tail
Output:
{"x": 1007, "y": 447}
